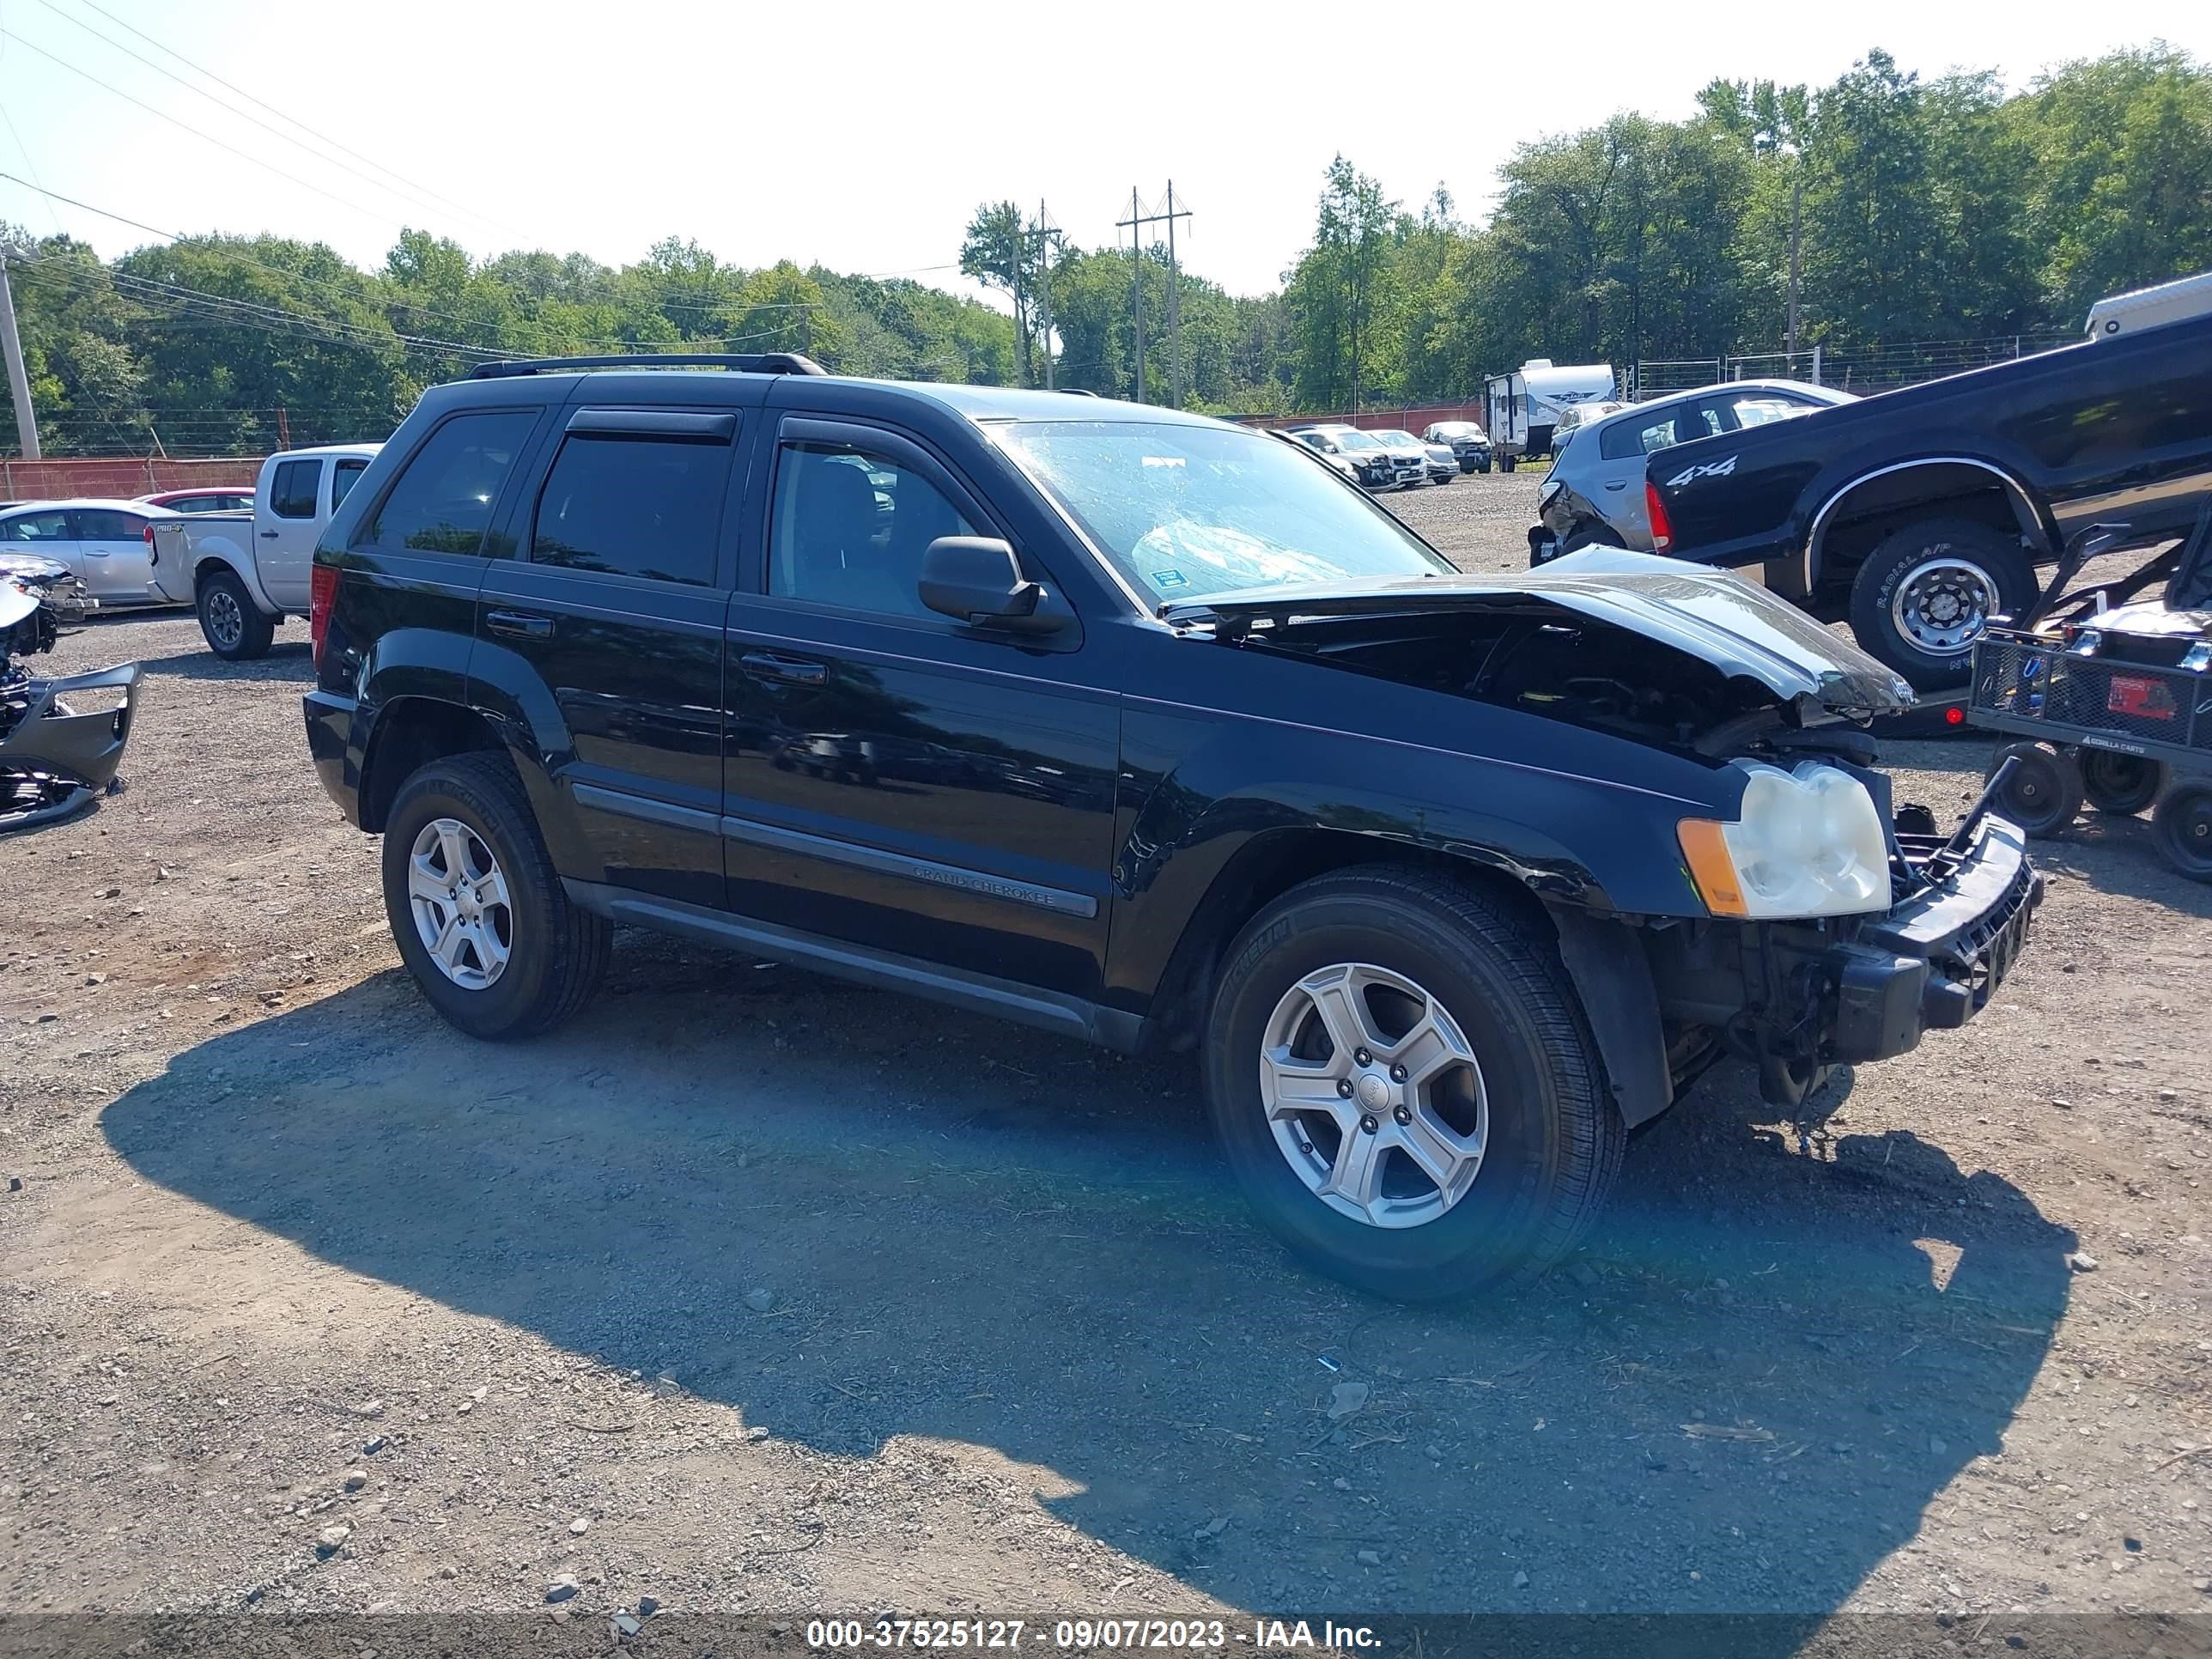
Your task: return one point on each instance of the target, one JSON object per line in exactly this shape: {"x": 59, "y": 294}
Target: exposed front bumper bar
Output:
{"x": 1933, "y": 962}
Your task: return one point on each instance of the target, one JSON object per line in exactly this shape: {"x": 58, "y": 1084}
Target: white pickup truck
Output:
{"x": 246, "y": 572}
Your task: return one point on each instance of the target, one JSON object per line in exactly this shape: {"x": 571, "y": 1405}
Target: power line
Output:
{"x": 293, "y": 119}
{"x": 248, "y": 155}
{"x": 413, "y": 198}
{"x": 544, "y": 330}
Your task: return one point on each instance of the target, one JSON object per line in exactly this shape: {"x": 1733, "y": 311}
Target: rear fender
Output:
{"x": 512, "y": 695}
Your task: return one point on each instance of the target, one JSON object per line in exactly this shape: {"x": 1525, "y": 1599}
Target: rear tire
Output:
{"x": 551, "y": 953}
{"x": 2182, "y": 826}
{"x": 1530, "y": 1090}
{"x": 2120, "y": 783}
{"x": 1506, "y": 463}
{"x": 233, "y": 625}
{"x": 2046, "y": 790}
{"x": 1924, "y": 595}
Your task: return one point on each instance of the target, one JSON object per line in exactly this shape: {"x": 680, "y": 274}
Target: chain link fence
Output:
{"x": 1861, "y": 368}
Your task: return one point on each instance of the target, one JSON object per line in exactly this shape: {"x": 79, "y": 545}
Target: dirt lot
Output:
{"x": 754, "y": 1292}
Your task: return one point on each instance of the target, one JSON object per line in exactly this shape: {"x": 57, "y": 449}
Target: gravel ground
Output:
{"x": 751, "y": 1291}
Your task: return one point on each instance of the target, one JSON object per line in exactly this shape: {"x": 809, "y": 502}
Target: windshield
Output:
{"x": 1450, "y": 430}
{"x": 1397, "y": 439}
{"x": 1356, "y": 441}
{"x": 1189, "y": 512}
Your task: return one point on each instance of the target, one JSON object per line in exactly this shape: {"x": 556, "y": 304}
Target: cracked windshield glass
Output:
{"x": 1192, "y": 512}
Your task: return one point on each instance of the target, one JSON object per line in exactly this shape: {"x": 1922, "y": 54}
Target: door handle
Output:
{"x": 1616, "y": 483}
{"x": 520, "y": 623}
{"x": 268, "y": 535}
{"x": 787, "y": 670}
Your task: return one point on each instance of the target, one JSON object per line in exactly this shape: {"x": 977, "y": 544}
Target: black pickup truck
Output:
{"x": 1921, "y": 514}
{"x": 1146, "y": 729}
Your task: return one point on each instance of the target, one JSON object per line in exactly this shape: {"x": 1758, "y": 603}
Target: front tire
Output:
{"x": 233, "y": 625}
{"x": 478, "y": 914}
{"x": 1926, "y": 593}
{"x": 1466, "y": 1140}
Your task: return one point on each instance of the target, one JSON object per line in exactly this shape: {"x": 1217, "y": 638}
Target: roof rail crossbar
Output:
{"x": 751, "y": 363}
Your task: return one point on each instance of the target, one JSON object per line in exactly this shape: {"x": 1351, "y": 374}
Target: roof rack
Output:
{"x": 751, "y": 363}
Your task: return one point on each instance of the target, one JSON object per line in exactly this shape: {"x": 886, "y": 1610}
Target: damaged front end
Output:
{"x": 61, "y": 740}
{"x": 1819, "y": 923}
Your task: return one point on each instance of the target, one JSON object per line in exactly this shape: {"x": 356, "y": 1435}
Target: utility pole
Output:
{"x": 1137, "y": 221}
{"x": 19, "y": 379}
{"x": 1045, "y": 234}
{"x": 1796, "y": 215}
{"x": 1175, "y": 311}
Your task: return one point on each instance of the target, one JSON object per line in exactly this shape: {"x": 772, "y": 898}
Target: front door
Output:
{"x": 285, "y": 527}
{"x": 615, "y": 603}
{"x": 117, "y": 564}
{"x": 895, "y": 777}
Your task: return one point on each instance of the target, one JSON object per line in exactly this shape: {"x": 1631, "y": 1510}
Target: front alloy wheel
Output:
{"x": 1405, "y": 1085}
{"x": 459, "y": 904}
{"x": 1374, "y": 1095}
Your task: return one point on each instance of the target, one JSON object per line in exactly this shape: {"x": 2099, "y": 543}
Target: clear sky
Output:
{"x": 863, "y": 135}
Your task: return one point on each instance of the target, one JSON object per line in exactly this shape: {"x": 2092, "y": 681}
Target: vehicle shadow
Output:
{"x": 288, "y": 660}
{"x": 1742, "y": 1398}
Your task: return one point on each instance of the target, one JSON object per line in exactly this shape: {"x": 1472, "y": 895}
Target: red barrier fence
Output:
{"x": 1412, "y": 417}
{"x": 120, "y": 476}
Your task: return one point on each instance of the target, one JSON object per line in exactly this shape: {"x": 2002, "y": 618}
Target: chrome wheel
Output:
{"x": 1943, "y": 605}
{"x": 1374, "y": 1095}
{"x": 226, "y": 623}
{"x": 459, "y": 902}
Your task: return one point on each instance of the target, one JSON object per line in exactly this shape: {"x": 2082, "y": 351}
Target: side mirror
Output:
{"x": 978, "y": 580}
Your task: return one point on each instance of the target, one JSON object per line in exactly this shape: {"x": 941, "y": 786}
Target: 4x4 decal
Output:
{"x": 1710, "y": 470}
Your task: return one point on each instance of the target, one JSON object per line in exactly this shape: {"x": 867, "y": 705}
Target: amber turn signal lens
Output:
{"x": 1706, "y": 852}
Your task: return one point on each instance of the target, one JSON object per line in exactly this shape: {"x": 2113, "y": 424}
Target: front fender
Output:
{"x": 1593, "y": 827}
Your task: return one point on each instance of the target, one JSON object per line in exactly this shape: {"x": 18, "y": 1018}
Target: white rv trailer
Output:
{"x": 1520, "y": 408}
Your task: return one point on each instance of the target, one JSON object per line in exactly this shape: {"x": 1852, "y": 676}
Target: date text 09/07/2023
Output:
{"x": 1078, "y": 1635}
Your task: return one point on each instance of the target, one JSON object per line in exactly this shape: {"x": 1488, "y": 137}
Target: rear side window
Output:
{"x": 292, "y": 490}
{"x": 442, "y": 501}
{"x": 633, "y": 507}
{"x": 105, "y": 524}
{"x": 343, "y": 480}
{"x": 1640, "y": 436}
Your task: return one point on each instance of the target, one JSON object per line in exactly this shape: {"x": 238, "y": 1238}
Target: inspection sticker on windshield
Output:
{"x": 1169, "y": 578}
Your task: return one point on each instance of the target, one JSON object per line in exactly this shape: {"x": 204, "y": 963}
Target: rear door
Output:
{"x": 614, "y": 605}
{"x": 117, "y": 564}
{"x": 285, "y": 526}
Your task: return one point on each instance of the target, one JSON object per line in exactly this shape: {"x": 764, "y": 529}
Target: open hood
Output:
{"x": 1738, "y": 628}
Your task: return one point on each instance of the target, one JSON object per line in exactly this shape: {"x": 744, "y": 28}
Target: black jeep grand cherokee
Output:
{"x": 1143, "y": 728}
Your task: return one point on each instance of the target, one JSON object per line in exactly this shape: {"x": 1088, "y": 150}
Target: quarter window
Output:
{"x": 342, "y": 480}
{"x": 292, "y": 490}
{"x": 851, "y": 526}
{"x": 633, "y": 507}
{"x": 442, "y": 501}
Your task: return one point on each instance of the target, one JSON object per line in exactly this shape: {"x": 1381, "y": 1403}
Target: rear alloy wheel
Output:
{"x": 476, "y": 910}
{"x": 1928, "y": 592}
{"x": 2120, "y": 783}
{"x": 235, "y": 628}
{"x": 2182, "y": 825}
{"x": 2044, "y": 791}
{"x": 1405, "y": 1088}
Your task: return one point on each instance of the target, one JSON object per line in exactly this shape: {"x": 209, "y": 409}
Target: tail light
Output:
{"x": 1663, "y": 533}
{"x": 322, "y": 588}
{"x": 152, "y": 547}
